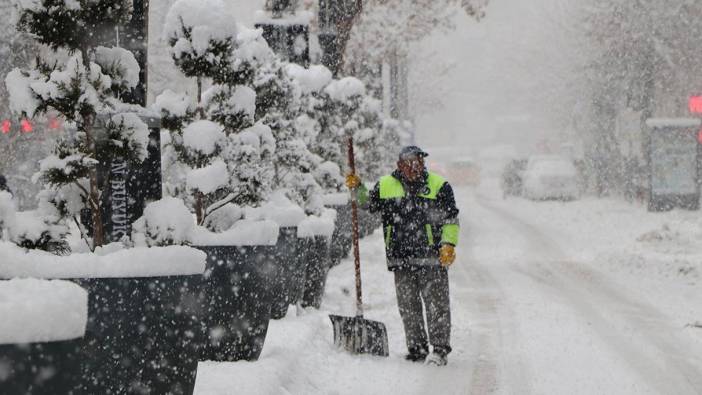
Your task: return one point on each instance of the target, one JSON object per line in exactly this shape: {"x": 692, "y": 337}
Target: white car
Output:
{"x": 550, "y": 177}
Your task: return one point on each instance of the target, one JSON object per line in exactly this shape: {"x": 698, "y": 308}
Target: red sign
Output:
{"x": 694, "y": 103}
{"x": 6, "y": 126}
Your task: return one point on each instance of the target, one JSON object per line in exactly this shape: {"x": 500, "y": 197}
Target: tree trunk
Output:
{"x": 200, "y": 207}
{"x": 94, "y": 193}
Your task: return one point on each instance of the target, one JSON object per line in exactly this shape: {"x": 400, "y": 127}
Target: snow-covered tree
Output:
{"x": 642, "y": 57}
{"x": 79, "y": 79}
{"x": 226, "y": 154}
{"x": 349, "y": 112}
{"x": 385, "y": 30}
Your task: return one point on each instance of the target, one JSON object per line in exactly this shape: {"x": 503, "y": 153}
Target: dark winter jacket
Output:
{"x": 417, "y": 218}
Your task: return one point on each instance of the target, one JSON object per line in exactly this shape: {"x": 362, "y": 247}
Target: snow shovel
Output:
{"x": 358, "y": 335}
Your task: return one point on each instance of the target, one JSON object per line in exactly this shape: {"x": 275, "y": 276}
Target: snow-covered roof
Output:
{"x": 35, "y": 310}
{"x": 673, "y": 122}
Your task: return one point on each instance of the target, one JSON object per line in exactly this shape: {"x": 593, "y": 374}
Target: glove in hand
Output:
{"x": 353, "y": 181}
{"x": 447, "y": 254}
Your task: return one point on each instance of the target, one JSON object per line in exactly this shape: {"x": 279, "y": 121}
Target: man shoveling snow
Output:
{"x": 416, "y": 206}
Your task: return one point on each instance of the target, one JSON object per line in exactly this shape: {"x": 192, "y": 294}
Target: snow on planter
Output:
{"x": 35, "y": 310}
{"x": 322, "y": 225}
{"x": 281, "y": 210}
{"x": 165, "y": 222}
{"x": 122, "y": 263}
{"x": 244, "y": 232}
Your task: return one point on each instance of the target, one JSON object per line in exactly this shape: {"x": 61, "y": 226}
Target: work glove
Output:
{"x": 353, "y": 181}
{"x": 447, "y": 254}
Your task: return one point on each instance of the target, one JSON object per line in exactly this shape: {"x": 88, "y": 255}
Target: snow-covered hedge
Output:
{"x": 35, "y": 310}
{"x": 318, "y": 225}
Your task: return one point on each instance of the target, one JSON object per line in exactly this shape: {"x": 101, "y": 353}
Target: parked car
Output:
{"x": 512, "y": 177}
{"x": 550, "y": 177}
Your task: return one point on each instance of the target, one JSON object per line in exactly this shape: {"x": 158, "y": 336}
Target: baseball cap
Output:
{"x": 412, "y": 151}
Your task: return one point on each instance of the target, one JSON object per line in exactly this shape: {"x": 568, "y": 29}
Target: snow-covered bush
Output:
{"x": 44, "y": 228}
{"x": 227, "y": 156}
{"x": 201, "y": 35}
{"x": 79, "y": 80}
{"x": 8, "y": 209}
{"x": 165, "y": 222}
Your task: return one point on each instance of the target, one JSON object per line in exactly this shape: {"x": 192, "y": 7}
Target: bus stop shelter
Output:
{"x": 673, "y": 155}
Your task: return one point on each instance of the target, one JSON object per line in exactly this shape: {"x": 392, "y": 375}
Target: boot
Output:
{"x": 417, "y": 354}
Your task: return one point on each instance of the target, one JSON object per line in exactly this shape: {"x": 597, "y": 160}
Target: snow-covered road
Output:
{"x": 589, "y": 297}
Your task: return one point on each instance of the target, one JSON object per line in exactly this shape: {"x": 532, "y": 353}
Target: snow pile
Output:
{"x": 223, "y": 218}
{"x": 345, "y": 88}
{"x": 251, "y": 47}
{"x": 21, "y": 96}
{"x": 165, "y": 222}
{"x": 120, "y": 63}
{"x": 41, "y": 311}
{"x": 175, "y": 104}
{"x": 130, "y": 132}
{"x": 202, "y": 136}
{"x": 322, "y": 225}
{"x": 329, "y": 173}
{"x": 209, "y": 21}
{"x": 244, "y": 232}
{"x": 122, "y": 263}
{"x": 209, "y": 178}
{"x": 239, "y": 100}
{"x": 310, "y": 80}
{"x": 280, "y": 209}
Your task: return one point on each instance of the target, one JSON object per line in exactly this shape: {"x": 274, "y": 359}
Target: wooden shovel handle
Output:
{"x": 354, "y": 230}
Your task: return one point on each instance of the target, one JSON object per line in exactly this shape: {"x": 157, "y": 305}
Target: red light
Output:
{"x": 54, "y": 123}
{"x": 26, "y": 126}
{"x": 695, "y": 104}
{"x": 6, "y": 126}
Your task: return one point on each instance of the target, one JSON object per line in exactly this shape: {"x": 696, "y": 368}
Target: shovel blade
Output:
{"x": 360, "y": 336}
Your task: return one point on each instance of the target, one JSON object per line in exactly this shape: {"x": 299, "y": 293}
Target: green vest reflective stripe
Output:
{"x": 391, "y": 187}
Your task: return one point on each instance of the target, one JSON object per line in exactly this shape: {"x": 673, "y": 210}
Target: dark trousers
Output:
{"x": 426, "y": 288}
